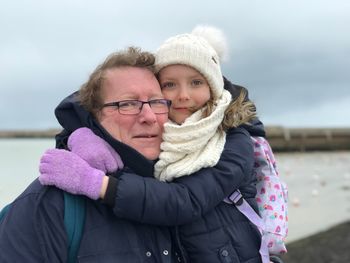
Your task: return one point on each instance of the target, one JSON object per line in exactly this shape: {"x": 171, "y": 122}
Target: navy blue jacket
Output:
{"x": 209, "y": 230}
{"x": 33, "y": 230}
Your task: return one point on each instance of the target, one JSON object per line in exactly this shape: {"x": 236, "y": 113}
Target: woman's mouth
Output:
{"x": 145, "y": 136}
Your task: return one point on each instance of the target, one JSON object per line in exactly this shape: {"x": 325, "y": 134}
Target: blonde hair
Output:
{"x": 90, "y": 92}
{"x": 240, "y": 111}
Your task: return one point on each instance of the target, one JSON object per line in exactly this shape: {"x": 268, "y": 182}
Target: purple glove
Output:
{"x": 94, "y": 150}
{"x": 69, "y": 172}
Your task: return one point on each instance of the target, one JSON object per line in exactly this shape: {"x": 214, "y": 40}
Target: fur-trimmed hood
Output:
{"x": 257, "y": 127}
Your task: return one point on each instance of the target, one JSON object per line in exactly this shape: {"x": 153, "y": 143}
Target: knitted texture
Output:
{"x": 197, "y": 51}
{"x": 69, "y": 172}
{"x": 94, "y": 150}
{"x": 195, "y": 144}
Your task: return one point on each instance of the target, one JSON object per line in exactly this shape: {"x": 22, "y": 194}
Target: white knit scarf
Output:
{"x": 195, "y": 144}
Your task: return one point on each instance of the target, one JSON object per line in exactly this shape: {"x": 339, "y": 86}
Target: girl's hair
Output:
{"x": 90, "y": 92}
{"x": 240, "y": 111}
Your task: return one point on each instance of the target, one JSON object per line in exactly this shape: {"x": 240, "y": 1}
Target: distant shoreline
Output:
{"x": 49, "y": 133}
{"x": 280, "y": 138}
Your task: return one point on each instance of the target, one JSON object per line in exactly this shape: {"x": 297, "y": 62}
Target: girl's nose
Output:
{"x": 183, "y": 94}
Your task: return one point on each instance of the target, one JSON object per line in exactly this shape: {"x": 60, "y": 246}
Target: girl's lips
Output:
{"x": 182, "y": 109}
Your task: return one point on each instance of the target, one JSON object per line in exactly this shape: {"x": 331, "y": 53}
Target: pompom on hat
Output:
{"x": 202, "y": 49}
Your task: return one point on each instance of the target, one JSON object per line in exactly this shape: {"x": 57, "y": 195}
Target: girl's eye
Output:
{"x": 197, "y": 82}
{"x": 168, "y": 85}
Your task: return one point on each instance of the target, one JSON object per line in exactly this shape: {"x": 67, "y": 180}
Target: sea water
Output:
{"x": 318, "y": 182}
{"x": 19, "y": 165}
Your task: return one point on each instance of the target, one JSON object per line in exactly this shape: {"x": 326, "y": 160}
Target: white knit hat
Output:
{"x": 202, "y": 49}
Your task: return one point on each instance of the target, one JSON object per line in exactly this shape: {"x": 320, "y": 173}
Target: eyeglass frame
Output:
{"x": 116, "y": 104}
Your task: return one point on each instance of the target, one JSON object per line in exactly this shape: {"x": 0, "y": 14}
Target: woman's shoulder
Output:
{"x": 37, "y": 198}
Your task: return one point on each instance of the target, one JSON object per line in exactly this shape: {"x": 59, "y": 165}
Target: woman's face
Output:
{"x": 142, "y": 131}
{"x": 186, "y": 88}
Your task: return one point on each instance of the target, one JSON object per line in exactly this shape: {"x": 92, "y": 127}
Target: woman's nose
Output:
{"x": 147, "y": 114}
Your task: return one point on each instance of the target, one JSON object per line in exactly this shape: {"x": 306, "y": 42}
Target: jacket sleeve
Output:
{"x": 33, "y": 233}
{"x": 148, "y": 200}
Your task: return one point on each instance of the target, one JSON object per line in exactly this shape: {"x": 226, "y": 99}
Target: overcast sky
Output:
{"x": 292, "y": 55}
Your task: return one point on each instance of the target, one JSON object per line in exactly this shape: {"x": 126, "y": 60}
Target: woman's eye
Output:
{"x": 128, "y": 104}
{"x": 168, "y": 85}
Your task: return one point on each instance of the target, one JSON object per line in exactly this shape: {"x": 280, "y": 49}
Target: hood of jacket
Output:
{"x": 257, "y": 127}
{"x": 71, "y": 116}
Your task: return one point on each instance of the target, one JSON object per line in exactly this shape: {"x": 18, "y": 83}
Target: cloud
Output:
{"x": 290, "y": 54}
{"x": 334, "y": 111}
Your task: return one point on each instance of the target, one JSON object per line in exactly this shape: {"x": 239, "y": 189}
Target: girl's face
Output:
{"x": 186, "y": 88}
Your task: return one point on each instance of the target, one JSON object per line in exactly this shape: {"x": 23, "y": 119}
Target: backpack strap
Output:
{"x": 245, "y": 208}
{"x": 4, "y": 211}
{"x": 74, "y": 220}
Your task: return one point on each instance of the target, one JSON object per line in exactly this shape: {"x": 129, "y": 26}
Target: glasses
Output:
{"x": 134, "y": 107}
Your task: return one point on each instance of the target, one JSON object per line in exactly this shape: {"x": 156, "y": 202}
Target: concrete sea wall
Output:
{"x": 281, "y": 139}
{"x": 308, "y": 139}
